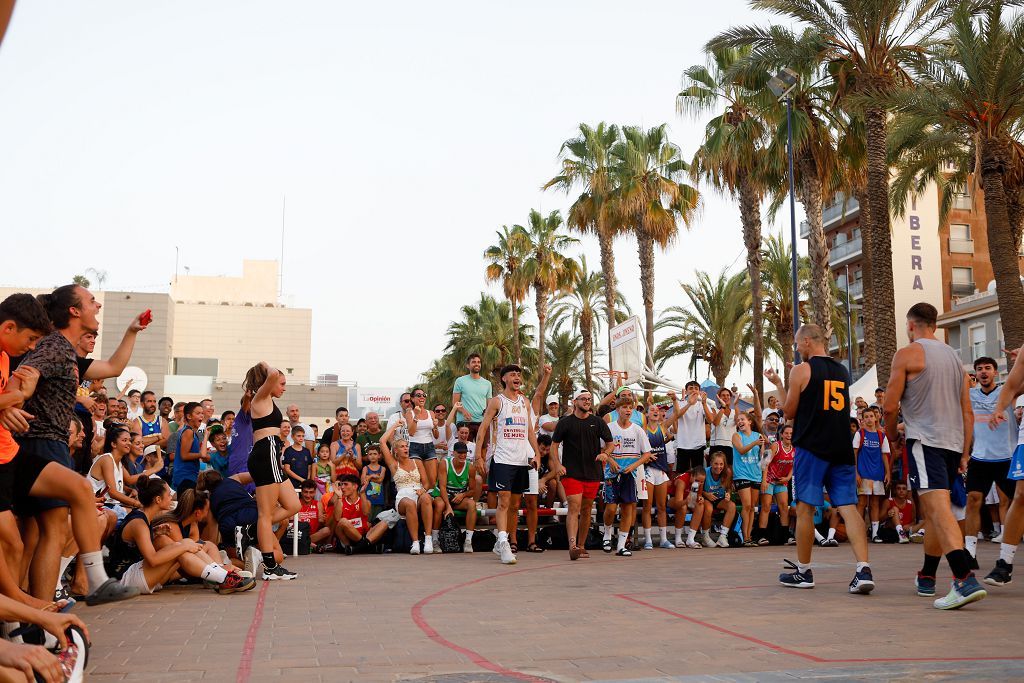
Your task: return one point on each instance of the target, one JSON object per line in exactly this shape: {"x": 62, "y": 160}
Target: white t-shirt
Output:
{"x": 721, "y": 434}
{"x": 470, "y": 448}
{"x": 402, "y": 433}
{"x": 630, "y": 441}
{"x": 885, "y": 442}
{"x": 690, "y": 428}
{"x": 546, "y": 419}
{"x": 511, "y": 432}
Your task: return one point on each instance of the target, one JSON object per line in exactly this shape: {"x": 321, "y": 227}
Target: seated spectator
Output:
{"x": 373, "y": 480}
{"x": 297, "y": 459}
{"x": 345, "y": 453}
{"x": 137, "y": 563}
{"x": 717, "y": 491}
{"x": 411, "y": 500}
{"x": 218, "y": 450}
{"x": 454, "y": 492}
{"x": 686, "y": 496}
{"x": 353, "y": 528}
{"x": 107, "y": 473}
{"x": 900, "y": 514}
{"x": 312, "y": 513}
{"x": 186, "y": 521}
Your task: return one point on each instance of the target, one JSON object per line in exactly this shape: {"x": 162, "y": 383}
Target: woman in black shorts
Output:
{"x": 275, "y": 496}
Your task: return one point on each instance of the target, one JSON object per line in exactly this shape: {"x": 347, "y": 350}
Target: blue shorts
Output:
{"x": 931, "y": 468}
{"x": 621, "y": 490}
{"x": 49, "y": 450}
{"x": 422, "y": 451}
{"x": 811, "y": 474}
{"x": 1017, "y": 464}
{"x": 505, "y": 477}
{"x": 775, "y": 489}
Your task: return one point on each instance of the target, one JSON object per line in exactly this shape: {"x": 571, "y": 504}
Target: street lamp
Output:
{"x": 781, "y": 85}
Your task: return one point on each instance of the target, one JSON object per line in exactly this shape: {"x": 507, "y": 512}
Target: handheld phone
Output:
{"x": 146, "y": 318}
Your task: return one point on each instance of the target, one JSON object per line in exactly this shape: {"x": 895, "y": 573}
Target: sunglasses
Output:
{"x": 440, "y": 410}
{"x": 419, "y": 395}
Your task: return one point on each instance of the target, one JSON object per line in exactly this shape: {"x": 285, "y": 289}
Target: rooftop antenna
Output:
{"x": 280, "y": 265}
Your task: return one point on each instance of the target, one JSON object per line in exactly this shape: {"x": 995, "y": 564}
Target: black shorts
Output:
{"x": 33, "y": 456}
{"x": 7, "y": 471}
{"x": 265, "y": 461}
{"x": 931, "y": 468}
{"x": 688, "y": 458}
{"x": 505, "y": 477}
{"x": 981, "y": 474}
{"x": 740, "y": 484}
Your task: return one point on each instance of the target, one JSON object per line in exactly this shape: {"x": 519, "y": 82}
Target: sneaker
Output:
{"x": 625, "y": 552}
{"x": 61, "y": 593}
{"x": 917, "y": 537}
{"x": 1001, "y": 575}
{"x": 877, "y": 539}
{"x": 751, "y": 543}
{"x": 705, "y": 540}
{"x": 925, "y": 585}
{"x": 505, "y": 552}
{"x": 235, "y": 583}
{"x": 723, "y": 541}
{"x": 862, "y": 583}
{"x": 415, "y": 548}
{"x": 277, "y": 573}
{"x": 253, "y": 560}
{"x": 667, "y": 545}
{"x": 998, "y": 538}
{"x": 763, "y": 541}
{"x": 606, "y": 545}
{"x": 831, "y": 543}
{"x": 693, "y": 544}
{"x": 823, "y": 543}
{"x": 428, "y": 546}
{"x": 648, "y": 545}
{"x": 904, "y": 537}
{"x": 75, "y": 657}
{"x": 962, "y": 593}
{"x": 467, "y": 546}
{"x": 790, "y": 541}
{"x": 110, "y": 590}
{"x": 797, "y": 578}
{"x": 974, "y": 562}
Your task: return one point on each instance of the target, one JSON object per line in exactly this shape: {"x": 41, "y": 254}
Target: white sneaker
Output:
{"x": 428, "y": 546}
{"x": 415, "y": 549}
{"x": 693, "y": 544}
{"x": 505, "y": 553}
{"x": 253, "y": 560}
{"x": 467, "y": 547}
{"x": 705, "y": 540}
{"x": 998, "y": 539}
{"x": 723, "y": 541}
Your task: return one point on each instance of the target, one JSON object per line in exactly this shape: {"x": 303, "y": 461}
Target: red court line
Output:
{"x": 245, "y": 664}
{"x": 805, "y": 655}
{"x": 475, "y": 657}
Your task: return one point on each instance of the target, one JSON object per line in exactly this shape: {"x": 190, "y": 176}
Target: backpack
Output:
{"x": 449, "y": 536}
{"x": 401, "y": 540}
{"x": 304, "y": 544}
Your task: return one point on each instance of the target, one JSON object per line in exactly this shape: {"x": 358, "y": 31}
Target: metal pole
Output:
{"x": 849, "y": 324}
{"x": 792, "y": 228}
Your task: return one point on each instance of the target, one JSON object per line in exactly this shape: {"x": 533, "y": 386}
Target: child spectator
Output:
{"x": 685, "y": 497}
{"x": 871, "y": 450}
{"x": 373, "y": 480}
{"x": 218, "y": 437}
{"x": 716, "y": 489}
{"x": 632, "y": 450}
{"x": 324, "y": 471}
{"x": 312, "y": 513}
{"x": 190, "y": 451}
{"x": 900, "y": 514}
{"x": 778, "y": 472}
{"x": 297, "y": 459}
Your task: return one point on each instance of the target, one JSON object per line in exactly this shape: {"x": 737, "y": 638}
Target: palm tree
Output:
{"x": 582, "y": 307}
{"x": 733, "y": 158}
{"x": 649, "y": 199}
{"x": 585, "y": 164}
{"x": 975, "y": 84}
{"x": 564, "y": 353}
{"x": 716, "y": 331}
{"x": 505, "y": 264}
{"x": 869, "y": 45}
{"x": 776, "y": 278}
{"x": 546, "y": 268}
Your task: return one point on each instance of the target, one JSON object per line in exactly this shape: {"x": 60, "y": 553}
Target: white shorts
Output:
{"x": 407, "y": 494}
{"x": 534, "y": 483}
{"x": 959, "y": 513}
{"x": 993, "y": 496}
{"x": 871, "y": 488}
{"x": 655, "y": 477}
{"x": 134, "y": 577}
{"x": 641, "y": 482}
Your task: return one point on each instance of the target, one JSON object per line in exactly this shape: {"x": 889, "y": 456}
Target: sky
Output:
{"x": 402, "y": 134}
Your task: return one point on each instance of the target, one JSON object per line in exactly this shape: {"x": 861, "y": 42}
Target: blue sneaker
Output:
{"x": 925, "y": 585}
{"x": 962, "y": 593}
{"x": 667, "y": 545}
{"x": 862, "y": 582}
{"x": 797, "y": 579}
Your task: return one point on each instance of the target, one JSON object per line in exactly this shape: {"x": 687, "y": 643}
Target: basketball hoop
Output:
{"x": 614, "y": 374}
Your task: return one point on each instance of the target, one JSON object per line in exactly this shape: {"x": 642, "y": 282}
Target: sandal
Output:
{"x": 584, "y": 555}
{"x": 606, "y": 545}
{"x": 515, "y": 548}
{"x": 534, "y": 548}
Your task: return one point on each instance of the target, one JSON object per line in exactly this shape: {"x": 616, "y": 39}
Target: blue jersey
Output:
{"x": 657, "y": 440}
{"x": 747, "y": 465}
{"x": 186, "y": 470}
{"x": 712, "y": 485}
{"x": 869, "y": 458}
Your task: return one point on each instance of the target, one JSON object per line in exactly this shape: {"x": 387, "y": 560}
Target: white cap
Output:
{"x": 553, "y": 399}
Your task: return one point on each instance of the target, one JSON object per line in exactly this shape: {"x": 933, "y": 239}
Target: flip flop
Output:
{"x": 534, "y": 548}
{"x": 515, "y": 548}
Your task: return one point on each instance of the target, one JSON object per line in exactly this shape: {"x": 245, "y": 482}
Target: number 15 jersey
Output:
{"x": 822, "y": 424}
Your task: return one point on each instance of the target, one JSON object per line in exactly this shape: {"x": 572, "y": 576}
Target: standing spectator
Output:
{"x": 154, "y": 429}
{"x": 373, "y": 477}
{"x": 166, "y": 407}
{"x": 296, "y": 421}
{"x": 423, "y": 430}
{"x": 746, "y": 479}
{"x": 297, "y": 459}
{"x": 871, "y": 448}
{"x": 332, "y": 433}
{"x": 405, "y": 402}
{"x": 689, "y": 421}
{"x": 473, "y": 391}
{"x": 778, "y": 472}
{"x": 724, "y": 424}
{"x": 373, "y": 434}
{"x": 218, "y": 450}
{"x": 134, "y": 404}
{"x": 192, "y": 449}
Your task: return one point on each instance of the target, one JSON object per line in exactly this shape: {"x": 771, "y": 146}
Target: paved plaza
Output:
{"x": 670, "y": 615}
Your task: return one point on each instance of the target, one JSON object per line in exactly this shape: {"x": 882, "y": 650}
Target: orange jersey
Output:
{"x": 8, "y": 446}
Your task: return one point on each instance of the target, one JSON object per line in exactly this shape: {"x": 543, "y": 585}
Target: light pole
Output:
{"x": 849, "y": 323}
{"x": 781, "y": 86}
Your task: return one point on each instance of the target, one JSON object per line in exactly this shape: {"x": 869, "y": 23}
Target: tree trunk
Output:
{"x": 720, "y": 372}
{"x": 1001, "y": 248}
{"x": 1015, "y": 212}
{"x": 750, "y": 217}
{"x": 587, "y": 331}
{"x": 817, "y": 247}
{"x": 611, "y": 284}
{"x": 645, "y": 247}
{"x": 542, "y": 316}
{"x": 515, "y": 334}
{"x": 867, "y": 314}
{"x": 883, "y": 301}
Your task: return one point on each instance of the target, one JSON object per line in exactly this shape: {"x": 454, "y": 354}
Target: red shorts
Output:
{"x": 574, "y": 487}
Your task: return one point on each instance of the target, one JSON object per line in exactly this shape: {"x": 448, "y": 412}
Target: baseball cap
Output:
{"x": 618, "y": 392}
{"x": 580, "y": 392}
{"x": 460, "y": 447}
{"x": 552, "y": 399}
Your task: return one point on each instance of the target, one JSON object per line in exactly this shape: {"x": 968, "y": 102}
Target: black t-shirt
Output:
{"x": 581, "y": 444}
{"x": 299, "y": 460}
{"x": 822, "y": 424}
{"x": 60, "y": 371}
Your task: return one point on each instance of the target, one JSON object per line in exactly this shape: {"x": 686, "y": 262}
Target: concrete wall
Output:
{"x": 153, "y": 346}
{"x": 257, "y": 285}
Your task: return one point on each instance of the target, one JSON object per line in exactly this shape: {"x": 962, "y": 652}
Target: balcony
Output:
{"x": 805, "y": 229}
{"x": 841, "y": 208}
{"x": 845, "y": 252}
{"x": 857, "y": 290}
{"x": 961, "y": 246}
{"x": 961, "y": 288}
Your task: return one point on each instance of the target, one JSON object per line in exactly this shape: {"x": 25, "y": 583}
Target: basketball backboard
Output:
{"x": 628, "y": 349}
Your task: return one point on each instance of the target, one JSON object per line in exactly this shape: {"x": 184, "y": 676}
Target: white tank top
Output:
{"x": 424, "y": 430}
{"x": 511, "y": 432}
{"x": 100, "y": 485}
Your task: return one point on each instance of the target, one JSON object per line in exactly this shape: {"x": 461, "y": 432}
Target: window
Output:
{"x": 976, "y": 339}
{"x": 959, "y": 231}
{"x": 963, "y": 276}
{"x": 856, "y": 233}
{"x": 206, "y": 367}
{"x": 962, "y": 200}
{"x": 839, "y": 239}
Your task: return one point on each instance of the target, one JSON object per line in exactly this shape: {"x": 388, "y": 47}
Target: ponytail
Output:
{"x": 150, "y": 489}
